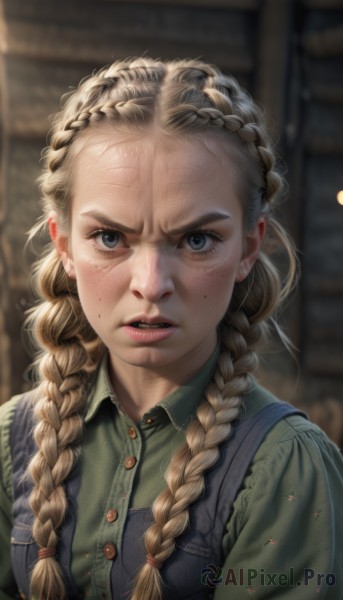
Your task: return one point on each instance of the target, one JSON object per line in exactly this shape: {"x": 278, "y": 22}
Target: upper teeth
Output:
{"x": 141, "y": 325}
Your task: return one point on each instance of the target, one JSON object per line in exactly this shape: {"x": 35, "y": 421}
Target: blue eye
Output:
{"x": 108, "y": 239}
{"x": 197, "y": 241}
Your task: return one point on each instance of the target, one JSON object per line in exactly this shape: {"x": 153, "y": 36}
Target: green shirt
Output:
{"x": 287, "y": 520}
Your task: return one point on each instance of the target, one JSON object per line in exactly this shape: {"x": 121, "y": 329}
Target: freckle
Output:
{"x": 99, "y": 317}
{"x": 205, "y": 296}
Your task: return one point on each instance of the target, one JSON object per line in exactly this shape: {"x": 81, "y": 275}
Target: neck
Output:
{"x": 139, "y": 392}
{"x": 138, "y": 388}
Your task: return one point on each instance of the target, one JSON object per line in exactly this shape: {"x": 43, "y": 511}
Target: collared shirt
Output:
{"x": 129, "y": 470}
{"x": 287, "y": 519}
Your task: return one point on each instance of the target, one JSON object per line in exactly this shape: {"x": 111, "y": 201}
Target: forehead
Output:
{"x": 151, "y": 180}
{"x": 117, "y": 151}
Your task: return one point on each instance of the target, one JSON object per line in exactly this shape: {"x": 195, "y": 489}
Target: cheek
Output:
{"x": 214, "y": 286}
{"x": 97, "y": 283}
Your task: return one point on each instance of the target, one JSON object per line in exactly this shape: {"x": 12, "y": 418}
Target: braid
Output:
{"x": 179, "y": 97}
{"x": 185, "y": 475}
{"x": 63, "y": 368}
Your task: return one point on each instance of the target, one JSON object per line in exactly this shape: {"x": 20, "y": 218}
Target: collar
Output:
{"x": 180, "y": 406}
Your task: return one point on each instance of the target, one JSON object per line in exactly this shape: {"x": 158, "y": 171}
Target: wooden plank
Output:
{"x": 272, "y": 59}
{"x": 325, "y": 286}
{"x": 65, "y": 10}
{"x": 324, "y": 145}
{"x": 322, "y": 4}
{"x": 251, "y": 5}
{"x": 23, "y": 207}
{"x": 35, "y": 90}
{"x": 324, "y": 315}
{"x": 325, "y": 43}
{"x": 327, "y": 71}
{"x": 328, "y": 334}
{"x": 5, "y": 362}
{"x": 85, "y": 44}
{"x": 324, "y": 364}
{"x": 227, "y": 4}
{"x": 324, "y": 119}
{"x": 323, "y": 249}
{"x": 62, "y": 11}
{"x": 330, "y": 93}
{"x": 20, "y": 345}
{"x": 133, "y": 19}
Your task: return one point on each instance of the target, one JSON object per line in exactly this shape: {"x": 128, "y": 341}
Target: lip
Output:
{"x": 149, "y": 336}
{"x": 149, "y": 320}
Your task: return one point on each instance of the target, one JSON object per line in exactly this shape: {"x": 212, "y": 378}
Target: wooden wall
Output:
{"x": 314, "y": 149}
{"x": 288, "y": 53}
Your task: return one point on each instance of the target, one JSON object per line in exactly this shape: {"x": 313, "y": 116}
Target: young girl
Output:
{"x": 148, "y": 463}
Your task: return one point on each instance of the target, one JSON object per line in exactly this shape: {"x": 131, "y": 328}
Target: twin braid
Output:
{"x": 185, "y": 474}
{"x": 181, "y": 96}
{"x": 60, "y": 327}
{"x": 249, "y": 133}
{"x": 185, "y": 116}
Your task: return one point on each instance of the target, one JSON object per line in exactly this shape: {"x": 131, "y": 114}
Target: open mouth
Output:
{"x": 141, "y": 325}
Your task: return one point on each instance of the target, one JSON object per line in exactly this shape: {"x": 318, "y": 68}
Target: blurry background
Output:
{"x": 287, "y": 53}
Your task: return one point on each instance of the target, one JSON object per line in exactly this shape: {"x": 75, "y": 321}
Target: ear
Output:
{"x": 61, "y": 244}
{"x": 252, "y": 245}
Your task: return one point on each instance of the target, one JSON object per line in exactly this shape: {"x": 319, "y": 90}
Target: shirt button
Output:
{"x": 111, "y": 515}
{"x": 132, "y": 433}
{"x": 130, "y": 462}
{"x": 149, "y": 421}
{"x": 109, "y": 551}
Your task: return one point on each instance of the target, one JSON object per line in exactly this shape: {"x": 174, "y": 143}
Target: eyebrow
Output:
{"x": 191, "y": 225}
{"x": 99, "y": 216}
{"x": 203, "y": 220}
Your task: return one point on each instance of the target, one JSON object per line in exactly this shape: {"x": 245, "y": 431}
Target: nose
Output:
{"x": 151, "y": 276}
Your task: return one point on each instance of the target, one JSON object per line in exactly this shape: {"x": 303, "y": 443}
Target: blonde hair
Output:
{"x": 180, "y": 97}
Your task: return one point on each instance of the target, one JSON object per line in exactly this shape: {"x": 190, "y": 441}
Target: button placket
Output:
{"x": 119, "y": 496}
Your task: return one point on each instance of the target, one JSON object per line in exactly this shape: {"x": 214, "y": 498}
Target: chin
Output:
{"x": 146, "y": 358}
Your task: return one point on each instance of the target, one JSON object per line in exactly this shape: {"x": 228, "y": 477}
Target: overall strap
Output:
{"x": 201, "y": 544}
{"x": 246, "y": 439}
{"x": 23, "y": 448}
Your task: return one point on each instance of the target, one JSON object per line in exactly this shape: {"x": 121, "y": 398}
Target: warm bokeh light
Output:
{"x": 340, "y": 197}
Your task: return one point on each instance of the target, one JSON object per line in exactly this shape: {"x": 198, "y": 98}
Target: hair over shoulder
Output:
{"x": 180, "y": 97}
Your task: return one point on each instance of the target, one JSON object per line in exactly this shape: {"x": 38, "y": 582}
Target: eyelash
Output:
{"x": 93, "y": 234}
{"x": 214, "y": 236}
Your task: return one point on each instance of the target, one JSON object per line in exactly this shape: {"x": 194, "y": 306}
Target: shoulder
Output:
{"x": 289, "y": 509}
{"x": 20, "y": 404}
{"x": 292, "y": 433}
{"x": 8, "y": 411}
{"x": 294, "y": 455}
{"x": 258, "y": 398}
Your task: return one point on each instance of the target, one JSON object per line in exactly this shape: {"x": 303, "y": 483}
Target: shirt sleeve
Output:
{"x": 8, "y": 586}
{"x": 284, "y": 539}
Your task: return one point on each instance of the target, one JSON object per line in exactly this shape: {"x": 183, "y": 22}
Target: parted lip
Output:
{"x": 149, "y": 320}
